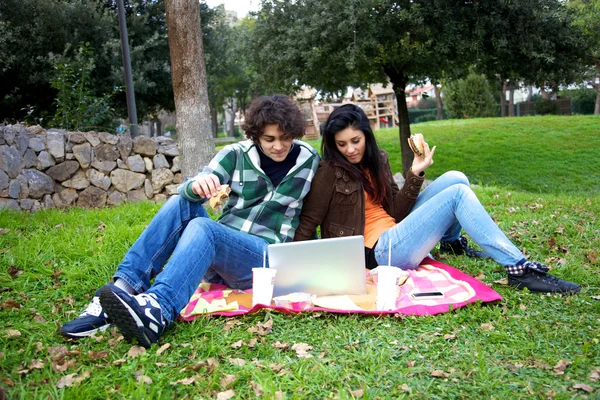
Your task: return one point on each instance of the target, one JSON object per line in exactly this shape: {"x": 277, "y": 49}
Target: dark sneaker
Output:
{"x": 460, "y": 247}
{"x": 93, "y": 319}
{"x": 137, "y": 317}
{"x": 536, "y": 279}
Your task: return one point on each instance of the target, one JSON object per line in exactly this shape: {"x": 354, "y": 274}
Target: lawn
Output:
{"x": 540, "y": 189}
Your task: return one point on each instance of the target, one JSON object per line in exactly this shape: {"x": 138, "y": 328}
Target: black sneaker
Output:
{"x": 93, "y": 319}
{"x": 536, "y": 279}
{"x": 460, "y": 247}
{"x": 137, "y": 317}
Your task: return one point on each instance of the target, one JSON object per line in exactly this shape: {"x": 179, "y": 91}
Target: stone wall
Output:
{"x": 59, "y": 169}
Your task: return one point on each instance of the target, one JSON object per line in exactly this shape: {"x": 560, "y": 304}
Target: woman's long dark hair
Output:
{"x": 350, "y": 115}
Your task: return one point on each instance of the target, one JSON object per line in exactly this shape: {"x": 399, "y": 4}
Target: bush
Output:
{"x": 425, "y": 118}
{"x": 76, "y": 106}
{"x": 545, "y": 107}
{"x": 470, "y": 98}
{"x": 171, "y": 128}
{"x": 427, "y": 103}
{"x": 415, "y": 115}
{"x": 583, "y": 100}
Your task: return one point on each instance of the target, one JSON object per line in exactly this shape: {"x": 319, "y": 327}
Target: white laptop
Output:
{"x": 323, "y": 267}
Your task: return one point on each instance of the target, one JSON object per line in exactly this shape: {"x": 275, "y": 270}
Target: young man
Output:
{"x": 269, "y": 176}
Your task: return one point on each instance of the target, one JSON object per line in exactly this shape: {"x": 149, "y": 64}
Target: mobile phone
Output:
{"x": 426, "y": 295}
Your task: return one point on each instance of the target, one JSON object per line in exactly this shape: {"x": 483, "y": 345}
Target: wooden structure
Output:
{"x": 306, "y": 98}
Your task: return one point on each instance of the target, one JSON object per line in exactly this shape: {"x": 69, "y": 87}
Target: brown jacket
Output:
{"x": 337, "y": 203}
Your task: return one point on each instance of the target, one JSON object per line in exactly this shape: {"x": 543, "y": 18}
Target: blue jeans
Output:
{"x": 196, "y": 247}
{"x": 442, "y": 209}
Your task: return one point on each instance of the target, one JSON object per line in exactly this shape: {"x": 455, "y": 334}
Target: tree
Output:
{"x": 334, "y": 44}
{"x": 470, "y": 97}
{"x": 188, "y": 70}
{"x": 529, "y": 41}
{"x": 587, "y": 17}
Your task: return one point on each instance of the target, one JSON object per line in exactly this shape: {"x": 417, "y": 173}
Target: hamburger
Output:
{"x": 417, "y": 144}
{"x": 217, "y": 202}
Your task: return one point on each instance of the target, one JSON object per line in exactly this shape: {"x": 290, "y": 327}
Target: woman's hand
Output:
{"x": 419, "y": 163}
{"x": 206, "y": 186}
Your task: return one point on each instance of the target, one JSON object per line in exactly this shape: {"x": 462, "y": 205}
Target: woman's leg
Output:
{"x": 442, "y": 183}
{"x": 418, "y": 233}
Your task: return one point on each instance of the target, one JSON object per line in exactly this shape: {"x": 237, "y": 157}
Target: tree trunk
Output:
{"x": 503, "y": 99}
{"x": 158, "y": 127}
{"x": 399, "y": 82}
{"x": 438, "y": 102}
{"x": 214, "y": 119}
{"x": 597, "y": 87}
{"x": 188, "y": 70}
{"x": 232, "y": 112}
{"x": 511, "y": 101}
{"x": 529, "y": 93}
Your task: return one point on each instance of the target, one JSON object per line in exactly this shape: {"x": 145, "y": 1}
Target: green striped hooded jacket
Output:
{"x": 255, "y": 206}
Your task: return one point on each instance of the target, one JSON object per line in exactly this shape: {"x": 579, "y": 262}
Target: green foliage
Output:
{"x": 545, "y": 107}
{"x": 471, "y": 97}
{"x": 421, "y": 115}
{"x": 77, "y": 108}
{"x": 426, "y": 103}
{"x": 583, "y": 100}
{"x": 171, "y": 128}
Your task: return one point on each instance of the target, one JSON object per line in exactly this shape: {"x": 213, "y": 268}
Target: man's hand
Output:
{"x": 206, "y": 186}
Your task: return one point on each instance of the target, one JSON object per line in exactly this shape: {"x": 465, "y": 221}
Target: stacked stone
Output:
{"x": 58, "y": 169}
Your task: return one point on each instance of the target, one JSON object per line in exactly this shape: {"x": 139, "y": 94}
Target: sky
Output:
{"x": 240, "y": 6}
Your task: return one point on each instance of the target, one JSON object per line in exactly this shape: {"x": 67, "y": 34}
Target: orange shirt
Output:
{"x": 377, "y": 221}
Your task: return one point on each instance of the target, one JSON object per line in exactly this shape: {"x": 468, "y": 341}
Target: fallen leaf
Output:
{"x": 12, "y": 333}
{"x": 276, "y": 367}
{"x": 282, "y": 346}
{"x": 228, "y": 380}
{"x": 135, "y": 351}
{"x": 8, "y": 382}
{"x": 143, "y": 379}
{"x": 212, "y": 364}
{"x": 410, "y": 363}
{"x": 4, "y": 231}
{"x": 163, "y": 348}
{"x": 226, "y": 395}
{"x": 36, "y": 363}
{"x": 449, "y": 336}
{"x": 522, "y": 306}
{"x": 592, "y": 257}
{"x": 257, "y": 387}
{"x": 186, "y": 381}
{"x": 302, "y": 349}
{"x": 480, "y": 276}
{"x": 66, "y": 381}
{"x": 237, "y": 344}
{"x": 195, "y": 367}
{"x": 357, "y": 393}
{"x": 237, "y": 361}
{"x": 62, "y": 365}
{"x": 231, "y": 323}
{"x": 119, "y": 362}
{"x": 584, "y": 387}
{"x": 101, "y": 226}
{"x": 405, "y": 387}
{"x": 559, "y": 368}
{"x": 502, "y": 281}
{"x": 160, "y": 364}
{"x": 97, "y": 355}
{"x": 252, "y": 342}
{"x": 279, "y": 395}
{"x": 595, "y": 375}
{"x": 14, "y": 271}
{"x": 488, "y": 326}
{"x": 83, "y": 376}
{"x": 10, "y": 304}
{"x": 439, "y": 374}
{"x": 595, "y": 297}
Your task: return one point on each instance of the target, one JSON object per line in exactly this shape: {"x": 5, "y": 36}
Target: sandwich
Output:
{"x": 417, "y": 144}
{"x": 217, "y": 202}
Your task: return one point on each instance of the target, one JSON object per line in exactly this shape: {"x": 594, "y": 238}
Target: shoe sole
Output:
{"x": 79, "y": 335}
{"x": 123, "y": 317}
{"x": 521, "y": 286}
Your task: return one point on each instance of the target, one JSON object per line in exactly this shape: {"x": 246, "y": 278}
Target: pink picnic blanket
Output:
{"x": 459, "y": 289}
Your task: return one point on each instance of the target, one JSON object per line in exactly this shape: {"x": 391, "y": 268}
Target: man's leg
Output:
{"x": 204, "y": 244}
{"x": 141, "y": 263}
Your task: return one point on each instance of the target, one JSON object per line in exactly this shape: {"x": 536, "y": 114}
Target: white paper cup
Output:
{"x": 263, "y": 280}
{"x": 388, "y": 280}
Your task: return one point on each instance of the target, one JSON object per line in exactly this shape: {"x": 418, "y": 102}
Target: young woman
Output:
{"x": 354, "y": 193}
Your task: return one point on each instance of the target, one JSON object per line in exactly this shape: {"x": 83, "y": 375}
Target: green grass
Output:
{"x": 65, "y": 255}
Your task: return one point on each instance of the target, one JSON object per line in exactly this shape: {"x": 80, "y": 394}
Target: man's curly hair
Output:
{"x": 276, "y": 109}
